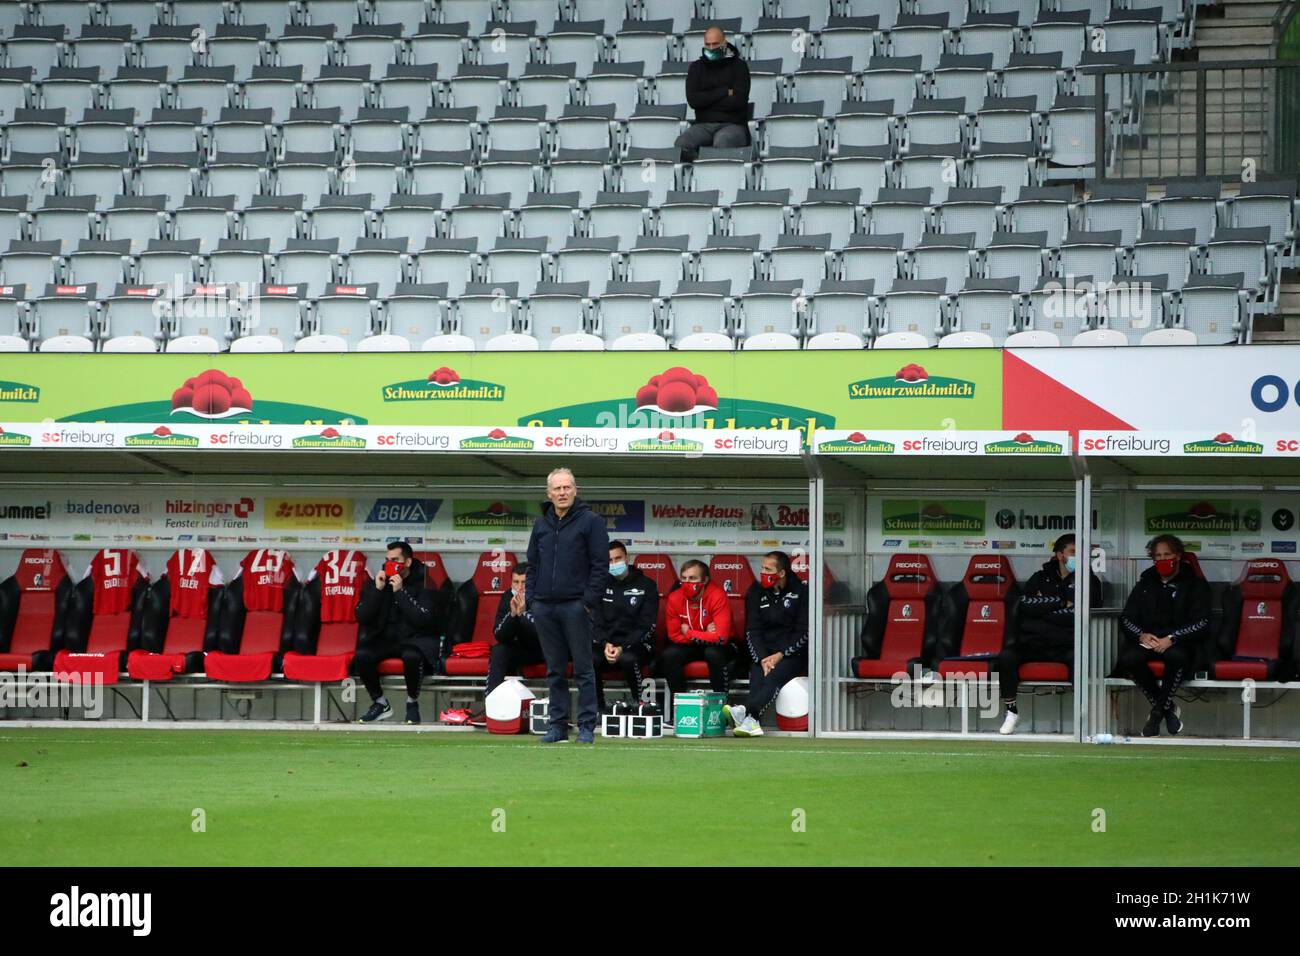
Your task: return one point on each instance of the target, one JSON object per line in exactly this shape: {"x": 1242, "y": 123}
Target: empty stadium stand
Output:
{"x": 475, "y": 154}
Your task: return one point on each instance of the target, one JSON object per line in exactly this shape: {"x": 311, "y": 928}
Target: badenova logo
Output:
{"x": 912, "y": 381}
{"x": 665, "y": 441}
{"x": 162, "y": 437}
{"x": 329, "y": 438}
{"x": 14, "y": 439}
{"x": 444, "y": 385}
{"x": 496, "y": 440}
{"x": 856, "y": 444}
{"x": 1223, "y": 444}
{"x": 1023, "y": 444}
{"x": 19, "y": 392}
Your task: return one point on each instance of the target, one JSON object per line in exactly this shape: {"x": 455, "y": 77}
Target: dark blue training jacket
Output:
{"x": 568, "y": 558}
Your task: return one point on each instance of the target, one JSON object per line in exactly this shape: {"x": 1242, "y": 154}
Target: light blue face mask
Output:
{"x": 618, "y": 570}
{"x": 1071, "y": 563}
{"x": 715, "y": 54}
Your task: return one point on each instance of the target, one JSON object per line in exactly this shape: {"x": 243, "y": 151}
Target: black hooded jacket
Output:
{"x": 1042, "y": 612}
{"x": 1178, "y": 608}
{"x": 417, "y": 614}
{"x": 707, "y": 83}
{"x": 777, "y": 619}
{"x": 628, "y": 612}
{"x": 568, "y": 558}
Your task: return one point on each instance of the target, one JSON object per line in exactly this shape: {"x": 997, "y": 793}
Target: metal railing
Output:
{"x": 1163, "y": 114}
{"x": 1286, "y": 44}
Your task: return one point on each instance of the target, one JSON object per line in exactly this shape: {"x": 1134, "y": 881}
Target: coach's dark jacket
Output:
{"x": 1178, "y": 608}
{"x": 568, "y": 558}
{"x": 511, "y": 629}
{"x": 777, "y": 619}
{"x": 1041, "y": 612}
{"x": 707, "y": 82}
{"x": 628, "y": 611}
{"x": 414, "y": 615}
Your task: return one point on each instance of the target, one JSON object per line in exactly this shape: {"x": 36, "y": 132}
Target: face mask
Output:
{"x": 618, "y": 570}
{"x": 1071, "y": 563}
{"x": 713, "y": 54}
{"x": 768, "y": 580}
{"x": 1166, "y": 567}
{"x": 692, "y": 588}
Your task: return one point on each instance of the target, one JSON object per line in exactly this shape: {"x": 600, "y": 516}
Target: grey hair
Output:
{"x": 561, "y": 471}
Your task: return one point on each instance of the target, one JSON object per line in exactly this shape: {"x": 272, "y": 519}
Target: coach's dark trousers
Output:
{"x": 763, "y": 688}
{"x": 1179, "y": 662}
{"x": 564, "y": 629}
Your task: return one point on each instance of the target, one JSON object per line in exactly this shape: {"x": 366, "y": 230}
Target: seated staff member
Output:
{"x": 1167, "y": 615}
{"x": 624, "y": 623}
{"x": 776, "y": 635}
{"x": 1046, "y": 623}
{"x": 699, "y": 629}
{"x": 515, "y": 631}
{"x": 405, "y": 619}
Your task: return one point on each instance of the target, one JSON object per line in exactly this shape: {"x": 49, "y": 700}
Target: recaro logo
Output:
{"x": 910, "y": 566}
{"x": 728, "y": 567}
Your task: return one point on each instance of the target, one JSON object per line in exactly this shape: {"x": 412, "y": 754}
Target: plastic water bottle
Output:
{"x": 1104, "y": 739}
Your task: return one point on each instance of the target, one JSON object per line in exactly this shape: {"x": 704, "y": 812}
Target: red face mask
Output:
{"x": 692, "y": 588}
{"x": 768, "y": 580}
{"x": 1166, "y": 567}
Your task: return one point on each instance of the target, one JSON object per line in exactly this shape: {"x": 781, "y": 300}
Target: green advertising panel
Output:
{"x": 860, "y": 389}
{"x": 946, "y": 516}
{"x": 1208, "y": 517}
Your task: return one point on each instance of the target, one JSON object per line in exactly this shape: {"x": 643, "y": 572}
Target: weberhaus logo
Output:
{"x": 496, "y": 440}
{"x": 912, "y": 381}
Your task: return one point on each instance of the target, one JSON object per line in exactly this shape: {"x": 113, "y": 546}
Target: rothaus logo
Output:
{"x": 76, "y": 909}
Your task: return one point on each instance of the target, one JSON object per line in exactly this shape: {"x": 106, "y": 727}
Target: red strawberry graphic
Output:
{"x": 647, "y": 395}
{"x": 705, "y": 395}
{"x": 667, "y": 436}
{"x": 212, "y": 392}
{"x": 677, "y": 396}
{"x": 934, "y": 510}
{"x": 1202, "y": 509}
{"x": 1223, "y": 438}
{"x": 162, "y": 431}
{"x": 444, "y": 376}
{"x": 183, "y": 397}
{"x": 857, "y": 438}
{"x": 911, "y": 373}
{"x": 496, "y": 434}
{"x": 330, "y": 433}
{"x": 239, "y": 398}
{"x": 1024, "y": 438}
{"x": 211, "y": 398}
{"x": 498, "y": 509}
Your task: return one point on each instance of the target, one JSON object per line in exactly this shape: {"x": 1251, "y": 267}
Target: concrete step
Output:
{"x": 1218, "y": 121}
{"x": 1241, "y": 54}
{"x": 1152, "y": 170}
{"x": 1248, "y": 11}
{"x": 1230, "y": 146}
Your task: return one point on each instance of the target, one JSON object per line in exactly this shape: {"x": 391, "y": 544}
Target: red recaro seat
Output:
{"x": 1158, "y": 667}
{"x": 900, "y": 614}
{"x": 325, "y": 638}
{"x": 32, "y": 603}
{"x": 799, "y": 565}
{"x": 1259, "y": 623}
{"x": 105, "y": 602}
{"x": 183, "y": 611}
{"x": 257, "y": 618}
{"x": 981, "y": 605}
{"x": 435, "y": 571}
{"x": 491, "y": 580}
{"x": 732, "y": 573}
{"x": 659, "y": 569}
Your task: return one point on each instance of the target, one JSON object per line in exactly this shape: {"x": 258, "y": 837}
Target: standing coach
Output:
{"x": 568, "y": 559}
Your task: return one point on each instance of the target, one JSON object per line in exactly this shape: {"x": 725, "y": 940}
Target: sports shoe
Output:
{"x": 1009, "y": 725}
{"x": 1152, "y": 727}
{"x": 412, "y": 713}
{"x": 748, "y": 727}
{"x": 586, "y": 737}
{"x": 377, "y": 711}
{"x": 735, "y": 714}
{"x": 477, "y": 718}
{"x": 455, "y": 716}
{"x": 556, "y": 735}
{"x": 1174, "y": 720}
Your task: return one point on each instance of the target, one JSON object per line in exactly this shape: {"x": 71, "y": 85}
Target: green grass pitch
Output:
{"x": 75, "y": 796}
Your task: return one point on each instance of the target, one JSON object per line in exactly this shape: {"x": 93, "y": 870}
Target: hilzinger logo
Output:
{"x": 74, "y": 909}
